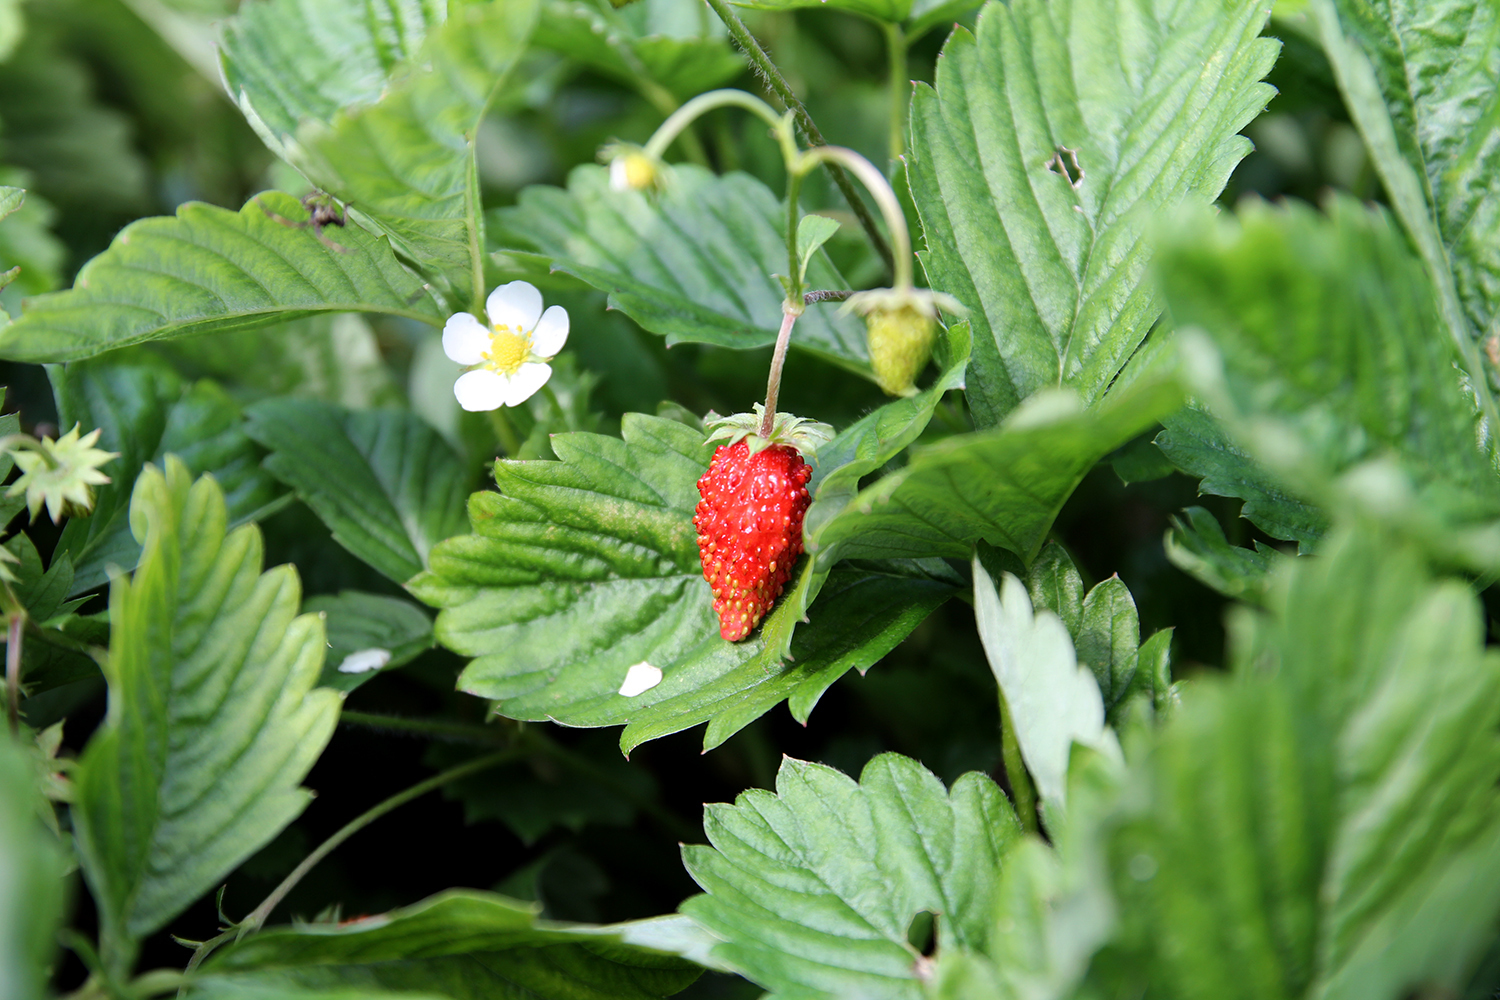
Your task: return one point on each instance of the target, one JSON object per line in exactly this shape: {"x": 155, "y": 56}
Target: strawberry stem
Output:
{"x": 773, "y": 384}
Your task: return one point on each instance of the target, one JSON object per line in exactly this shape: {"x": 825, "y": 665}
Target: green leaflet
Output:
{"x": 371, "y": 624}
{"x": 694, "y": 264}
{"x": 212, "y": 719}
{"x": 1324, "y": 824}
{"x": 291, "y": 61}
{"x": 917, "y": 17}
{"x": 1196, "y": 545}
{"x": 147, "y": 412}
{"x": 333, "y": 357}
{"x": 1149, "y": 95}
{"x": 1344, "y": 386}
{"x": 385, "y": 482}
{"x": 581, "y": 568}
{"x": 26, "y": 242}
{"x": 813, "y": 888}
{"x": 406, "y": 162}
{"x": 31, "y": 878}
{"x": 1052, "y": 697}
{"x": 671, "y": 42}
{"x": 1004, "y": 485}
{"x": 1437, "y": 63}
{"x": 460, "y": 944}
{"x": 79, "y": 150}
{"x": 1105, "y": 628}
{"x": 210, "y": 270}
{"x": 1197, "y": 444}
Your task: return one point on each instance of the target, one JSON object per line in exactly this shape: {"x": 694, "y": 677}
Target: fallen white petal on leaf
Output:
{"x": 639, "y": 679}
{"x": 363, "y": 660}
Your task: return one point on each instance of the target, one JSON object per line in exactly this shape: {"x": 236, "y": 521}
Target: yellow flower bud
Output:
{"x": 631, "y": 168}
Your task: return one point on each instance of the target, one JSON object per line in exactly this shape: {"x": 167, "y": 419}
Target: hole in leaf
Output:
{"x": 921, "y": 933}
{"x": 1064, "y": 163}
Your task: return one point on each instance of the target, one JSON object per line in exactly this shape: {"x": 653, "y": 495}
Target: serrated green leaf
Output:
{"x": 208, "y": 270}
{"x": 1004, "y": 485}
{"x": 357, "y": 622}
{"x": 812, "y": 232}
{"x": 27, "y": 242}
{"x": 461, "y": 944}
{"x": 335, "y": 358}
{"x": 1197, "y": 546}
{"x": 1437, "y": 65}
{"x": 581, "y": 568}
{"x": 406, "y": 163}
{"x": 11, "y": 198}
{"x": 670, "y": 42}
{"x": 79, "y": 149}
{"x": 1347, "y": 374}
{"x": 694, "y": 263}
{"x": 1103, "y": 623}
{"x": 813, "y": 888}
{"x": 385, "y": 482}
{"x": 228, "y": 989}
{"x": 588, "y": 783}
{"x": 212, "y": 722}
{"x": 146, "y": 412}
{"x": 31, "y": 880}
{"x": 929, "y": 14}
{"x": 291, "y": 61}
{"x": 1197, "y": 444}
{"x": 1053, "y": 699}
{"x": 1324, "y": 824}
{"x": 43, "y": 593}
{"x": 1149, "y": 98}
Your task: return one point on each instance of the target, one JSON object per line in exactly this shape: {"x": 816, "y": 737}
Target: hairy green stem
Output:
{"x": 678, "y": 120}
{"x": 762, "y": 64}
{"x": 885, "y": 196}
{"x": 794, "y": 301}
{"x": 258, "y": 916}
{"x": 773, "y": 383}
{"x": 1023, "y": 795}
{"x": 895, "y": 43}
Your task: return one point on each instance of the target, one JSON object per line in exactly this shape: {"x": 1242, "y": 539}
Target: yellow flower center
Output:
{"x": 509, "y": 349}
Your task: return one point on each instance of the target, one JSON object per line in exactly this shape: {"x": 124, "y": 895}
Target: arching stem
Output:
{"x": 677, "y": 121}
{"x": 885, "y": 198}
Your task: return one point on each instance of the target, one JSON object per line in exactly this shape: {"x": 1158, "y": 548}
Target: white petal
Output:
{"x": 364, "y": 660}
{"x": 551, "y": 332}
{"x": 465, "y": 339}
{"x": 526, "y": 381}
{"x": 517, "y": 305}
{"x": 481, "y": 389}
{"x": 639, "y": 679}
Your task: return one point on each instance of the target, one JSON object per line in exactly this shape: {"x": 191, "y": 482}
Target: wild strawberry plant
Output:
{"x": 1108, "y": 445}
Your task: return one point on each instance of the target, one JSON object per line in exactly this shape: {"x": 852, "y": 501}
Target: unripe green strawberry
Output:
{"x": 750, "y": 530}
{"x": 902, "y": 327}
{"x": 900, "y": 343}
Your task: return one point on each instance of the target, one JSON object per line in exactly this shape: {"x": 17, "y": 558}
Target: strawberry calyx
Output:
{"x": 799, "y": 433}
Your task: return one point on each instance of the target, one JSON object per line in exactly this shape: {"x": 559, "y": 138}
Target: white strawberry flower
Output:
{"x": 507, "y": 359}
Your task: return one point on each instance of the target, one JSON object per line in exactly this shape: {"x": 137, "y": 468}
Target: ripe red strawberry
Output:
{"x": 750, "y": 518}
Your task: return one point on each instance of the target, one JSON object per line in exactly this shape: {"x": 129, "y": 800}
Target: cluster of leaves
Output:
{"x": 1321, "y": 818}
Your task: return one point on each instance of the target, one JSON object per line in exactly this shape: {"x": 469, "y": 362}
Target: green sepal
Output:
{"x": 805, "y": 435}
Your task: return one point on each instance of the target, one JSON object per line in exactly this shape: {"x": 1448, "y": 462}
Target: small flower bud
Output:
{"x": 631, "y": 168}
{"x": 902, "y": 327}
